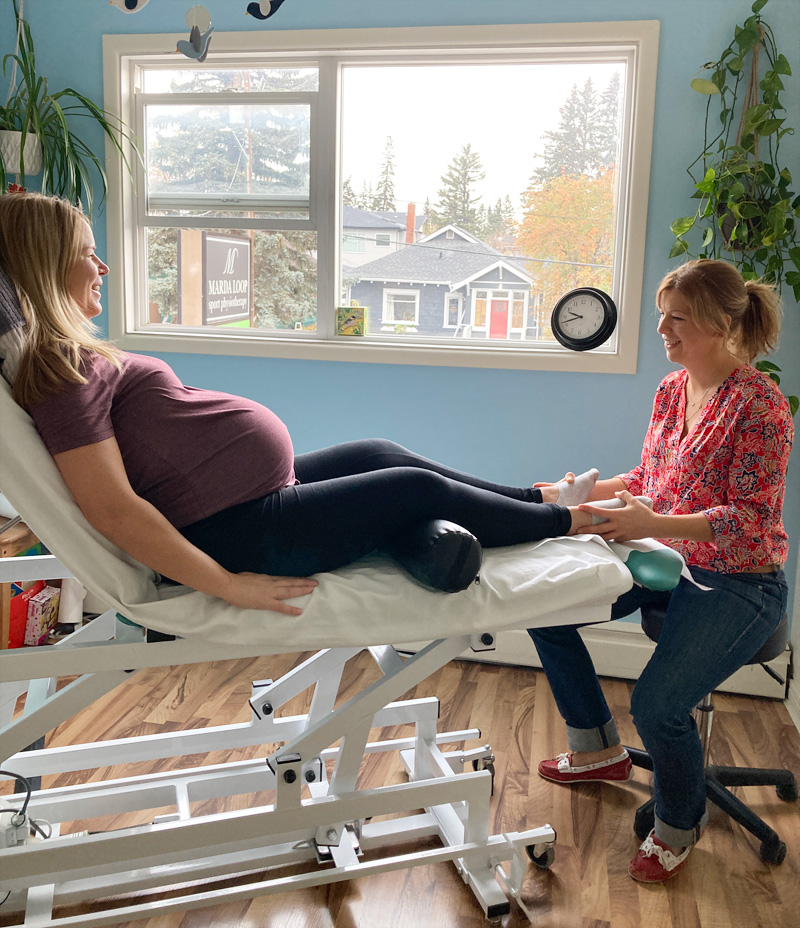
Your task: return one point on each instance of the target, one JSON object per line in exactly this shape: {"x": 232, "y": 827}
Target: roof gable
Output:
{"x": 457, "y": 234}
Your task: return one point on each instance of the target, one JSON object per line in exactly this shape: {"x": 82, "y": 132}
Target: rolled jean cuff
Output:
{"x": 680, "y": 837}
{"x": 593, "y": 739}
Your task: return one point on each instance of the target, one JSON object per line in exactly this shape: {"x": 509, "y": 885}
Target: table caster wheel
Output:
{"x": 544, "y": 859}
{"x": 485, "y": 764}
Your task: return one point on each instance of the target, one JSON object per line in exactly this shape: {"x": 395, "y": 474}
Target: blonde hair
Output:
{"x": 715, "y": 290}
{"x": 40, "y": 242}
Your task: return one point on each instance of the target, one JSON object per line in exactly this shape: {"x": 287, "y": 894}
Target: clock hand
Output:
{"x": 575, "y": 316}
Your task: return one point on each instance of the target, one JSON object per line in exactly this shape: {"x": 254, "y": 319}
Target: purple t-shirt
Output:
{"x": 189, "y": 452}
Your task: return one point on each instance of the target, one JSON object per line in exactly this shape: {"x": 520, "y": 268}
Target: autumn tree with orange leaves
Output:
{"x": 567, "y": 230}
{"x": 569, "y": 223}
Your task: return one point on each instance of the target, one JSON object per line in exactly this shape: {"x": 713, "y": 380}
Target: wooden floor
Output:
{"x": 724, "y": 886}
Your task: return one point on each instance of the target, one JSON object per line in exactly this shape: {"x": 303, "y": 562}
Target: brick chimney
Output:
{"x": 411, "y": 224}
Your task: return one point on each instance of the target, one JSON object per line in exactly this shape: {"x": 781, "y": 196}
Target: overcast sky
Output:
{"x": 431, "y": 112}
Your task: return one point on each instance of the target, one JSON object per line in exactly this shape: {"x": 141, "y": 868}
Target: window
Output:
{"x": 453, "y": 310}
{"x": 519, "y": 299}
{"x": 401, "y": 308}
{"x": 283, "y": 145}
{"x": 479, "y": 309}
{"x": 352, "y": 243}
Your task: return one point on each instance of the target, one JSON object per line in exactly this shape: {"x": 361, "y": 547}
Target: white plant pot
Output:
{"x": 9, "y": 149}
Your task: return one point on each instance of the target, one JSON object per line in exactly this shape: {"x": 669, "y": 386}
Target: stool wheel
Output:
{"x": 773, "y": 851}
{"x": 787, "y": 791}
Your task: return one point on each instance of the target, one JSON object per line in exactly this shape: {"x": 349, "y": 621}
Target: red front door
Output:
{"x": 498, "y": 321}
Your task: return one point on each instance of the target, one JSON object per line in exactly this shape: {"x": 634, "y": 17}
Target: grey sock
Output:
{"x": 577, "y": 492}
{"x": 616, "y": 503}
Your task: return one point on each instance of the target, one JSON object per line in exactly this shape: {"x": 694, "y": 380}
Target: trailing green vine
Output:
{"x": 747, "y": 211}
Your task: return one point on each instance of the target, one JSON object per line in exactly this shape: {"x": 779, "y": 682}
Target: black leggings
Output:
{"x": 354, "y": 498}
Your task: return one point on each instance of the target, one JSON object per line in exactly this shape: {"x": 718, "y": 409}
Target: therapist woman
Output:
{"x": 714, "y": 463}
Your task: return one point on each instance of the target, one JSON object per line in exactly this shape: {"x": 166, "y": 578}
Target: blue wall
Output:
{"x": 511, "y": 426}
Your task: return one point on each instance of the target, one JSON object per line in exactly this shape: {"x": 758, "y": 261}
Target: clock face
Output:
{"x": 584, "y": 318}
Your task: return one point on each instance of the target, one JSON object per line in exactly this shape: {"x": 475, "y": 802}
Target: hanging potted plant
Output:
{"x": 747, "y": 211}
{"x": 36, "y": 135}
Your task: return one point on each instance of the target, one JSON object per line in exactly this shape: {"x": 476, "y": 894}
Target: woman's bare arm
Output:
{"x": 639, "y": 521}
{"x": 605, "y": 489}
{"x": 95, "y": 476}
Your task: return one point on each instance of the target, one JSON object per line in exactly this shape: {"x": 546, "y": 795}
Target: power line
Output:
{"x": 483, "y": 254}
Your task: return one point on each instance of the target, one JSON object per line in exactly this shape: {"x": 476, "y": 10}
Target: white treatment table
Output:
{"x": 315, "y": 812}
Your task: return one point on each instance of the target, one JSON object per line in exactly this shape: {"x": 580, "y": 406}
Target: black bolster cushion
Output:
{"x": 438, "y": 554}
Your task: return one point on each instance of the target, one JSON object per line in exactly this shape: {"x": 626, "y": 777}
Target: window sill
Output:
{"x": 374, "y": 350}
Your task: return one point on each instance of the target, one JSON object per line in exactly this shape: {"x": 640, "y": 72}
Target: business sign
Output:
{"x": 227, "y": 279}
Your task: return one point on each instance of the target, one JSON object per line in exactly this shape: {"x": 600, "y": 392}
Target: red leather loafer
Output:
{"x": 656, "y": 863}
{"x": 560, "y": 770}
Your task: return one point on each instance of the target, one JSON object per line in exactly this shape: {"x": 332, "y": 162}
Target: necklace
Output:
{"x": 697, "y": 404}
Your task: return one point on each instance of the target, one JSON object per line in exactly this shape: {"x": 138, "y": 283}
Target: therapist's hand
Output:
{"x": 634, "y": 521}
{"x": 261, "y": 591}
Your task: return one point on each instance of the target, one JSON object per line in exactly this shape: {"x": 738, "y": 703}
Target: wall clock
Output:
{"x": 584, "y": 318}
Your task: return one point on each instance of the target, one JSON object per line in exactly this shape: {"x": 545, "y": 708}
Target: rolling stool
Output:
{"x": 773, "y": 850}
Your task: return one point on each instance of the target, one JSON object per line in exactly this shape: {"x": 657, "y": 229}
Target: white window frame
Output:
{"x": 330, "y": 49}
{"x": 383, "y": 240}
{"x": 511, "y": 301}
{"x": 354, "y": 237}
{"x": 387, "y": 292}
{"x": 449, "y": 295}
{"x": 487, "y": 298}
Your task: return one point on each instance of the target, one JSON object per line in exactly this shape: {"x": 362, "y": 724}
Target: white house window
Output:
{"x": 352, "y": 243}
{"x": 480, "y": 301}
{"x": 277, "y": 132}
{"x": 401, "y": 307}
{"x": 453, "y": 310}
{"x": 519, "y": 300}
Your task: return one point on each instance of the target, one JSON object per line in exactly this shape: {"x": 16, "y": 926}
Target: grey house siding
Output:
{"x": 431, "y": 304}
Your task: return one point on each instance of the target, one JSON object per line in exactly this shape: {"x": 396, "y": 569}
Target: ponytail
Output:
{"x": 760, "y": 321}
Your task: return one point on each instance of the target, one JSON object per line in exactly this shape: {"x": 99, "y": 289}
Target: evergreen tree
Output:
{"x": 284, "y": 279}
{"x": 458, "y": 203}
{"x": 430, "y": 223}
{"x": 162, "y": 271}
{"x": 483, "y": 221}
{"x": 349, "y": 197}
{"x": 366, "y": 197}
{"x": 585, "y": 141}
{"x": 384, "y": 194}
{"x": 507, "y": 212}
{"x": 606, "y": 122}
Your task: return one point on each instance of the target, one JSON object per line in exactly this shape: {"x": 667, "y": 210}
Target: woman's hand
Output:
{"x": 261, "y": 591}
{"x": 634, "y": 521}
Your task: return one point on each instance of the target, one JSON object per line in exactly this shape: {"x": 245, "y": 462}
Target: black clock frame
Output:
{"x": 591, "y": 341}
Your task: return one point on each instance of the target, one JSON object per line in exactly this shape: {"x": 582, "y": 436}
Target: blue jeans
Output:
{"x": 706, "y": 637}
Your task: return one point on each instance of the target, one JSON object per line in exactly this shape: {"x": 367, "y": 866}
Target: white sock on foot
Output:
{"x": 577, "y": 492}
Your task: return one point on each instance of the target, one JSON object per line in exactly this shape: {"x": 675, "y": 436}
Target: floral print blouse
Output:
{"x": 731, "y": 465}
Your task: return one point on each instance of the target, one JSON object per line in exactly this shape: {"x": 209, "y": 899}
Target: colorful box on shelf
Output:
{"x": 42, "y": 615}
